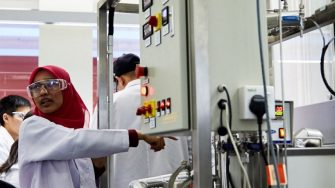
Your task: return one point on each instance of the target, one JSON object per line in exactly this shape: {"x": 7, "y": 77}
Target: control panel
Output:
{"x": 164, "y": 67}
{"x": 277, "y": 124}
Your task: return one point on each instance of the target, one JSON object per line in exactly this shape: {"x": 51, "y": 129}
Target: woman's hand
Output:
{"x": 157, "y": 143}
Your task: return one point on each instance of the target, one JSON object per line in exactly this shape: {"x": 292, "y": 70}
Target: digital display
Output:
{"x": 147, "y": 30}
{"x": 146, "y": 4}
{"x": 279, "y": 110}
{"x": 165, "y": 16}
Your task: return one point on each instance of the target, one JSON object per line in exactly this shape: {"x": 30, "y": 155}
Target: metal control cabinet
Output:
{"x": 165, "y": 91}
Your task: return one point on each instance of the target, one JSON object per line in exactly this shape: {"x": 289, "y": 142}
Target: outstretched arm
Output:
{"x": 157, "y": 143}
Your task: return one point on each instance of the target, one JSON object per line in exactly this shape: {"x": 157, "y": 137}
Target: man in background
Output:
{"x": 132, "y": 166}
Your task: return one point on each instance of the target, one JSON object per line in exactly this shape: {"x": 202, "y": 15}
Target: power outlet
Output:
{"x": 245, "y": 95}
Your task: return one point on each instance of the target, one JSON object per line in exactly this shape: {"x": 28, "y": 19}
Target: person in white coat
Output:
{"x": 135, "y": 165}
{"x": 12, "y": 110}
{"x": 54, "y": 148}
{"x": 131, "y": 165}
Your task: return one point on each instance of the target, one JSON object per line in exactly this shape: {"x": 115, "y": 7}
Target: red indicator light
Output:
{"x": 281, "y": 133}
{"x": 168, "y": 103}
{"x": 279, "y": 110}
{"x": 162, "y": 105}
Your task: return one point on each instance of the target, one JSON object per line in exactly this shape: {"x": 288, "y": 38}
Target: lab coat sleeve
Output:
{"x": 42, "y": 140}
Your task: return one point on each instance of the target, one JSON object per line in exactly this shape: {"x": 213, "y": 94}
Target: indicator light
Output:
{"x": 162, "y": 105}
{"x": 158, "y": 106}
{"x": 144, "y": 91}
{"x": 168, "y": 105}
{"x": 158, "y": 109}
{"x": 279, "y": 111}
{"x": 281, "y": 133}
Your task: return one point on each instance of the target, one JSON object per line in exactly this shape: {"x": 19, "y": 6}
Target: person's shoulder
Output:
{"x": 120, "y": 94}
{"x": 5, "y": 137}
{"x": 2, "y": 130}
{"x": 34, "y": 122}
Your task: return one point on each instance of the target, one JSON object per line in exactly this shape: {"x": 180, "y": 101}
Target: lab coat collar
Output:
{"x": 133, "y": 83}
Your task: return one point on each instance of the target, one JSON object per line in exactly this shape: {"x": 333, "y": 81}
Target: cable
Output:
{"x": 265, "y": 93}
{"x": 217, "y": 162}
{"x": 257, "y": 107}
{"x": 282, "y": 82}
{"x": 324, "y": 50}
{"x": 323, "y": 53}
{"x": 111, "y": 21}
{"x": 260, "y": 137}
{"x": 319, "y": 28}
{"x": 236, "y": 151}
{"x": 221, "y": 104}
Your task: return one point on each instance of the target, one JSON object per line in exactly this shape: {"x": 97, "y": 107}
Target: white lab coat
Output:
{"x": 143, "y": 162}
{"x": 11, "y": 176}
{"x": 6, "y": 142}
{"x": 54, "y": 156}
{"x": 133, "y": 164}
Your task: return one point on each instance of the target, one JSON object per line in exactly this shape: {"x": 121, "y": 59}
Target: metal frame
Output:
{"x": 103, "y": 95}
{"x": 200, "y": 92}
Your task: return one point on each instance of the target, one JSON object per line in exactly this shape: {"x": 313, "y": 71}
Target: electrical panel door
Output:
{"x": 164, "y": 66}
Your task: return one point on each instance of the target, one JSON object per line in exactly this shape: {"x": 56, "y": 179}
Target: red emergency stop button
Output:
{"x": 153, "y": 21}
{"x": 143, "y": 110}
{"x": 148, "y": 109}
{"x": 141, "y": 71}
{"x": 156, "y": 21}
{"x": 140, "y": 111}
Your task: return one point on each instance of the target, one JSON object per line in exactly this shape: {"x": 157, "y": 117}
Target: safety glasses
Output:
{"x": 19, "y": 114}
{"x": 52, "y": 86}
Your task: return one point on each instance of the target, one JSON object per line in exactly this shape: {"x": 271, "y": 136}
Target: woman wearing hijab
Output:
{"x": 54, "y": 148}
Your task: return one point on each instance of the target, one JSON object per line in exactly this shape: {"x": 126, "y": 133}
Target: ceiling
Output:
{"x": 52, "y": 5}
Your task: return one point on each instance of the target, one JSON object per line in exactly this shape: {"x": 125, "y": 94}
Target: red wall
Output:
{"x": 15, "y": 72}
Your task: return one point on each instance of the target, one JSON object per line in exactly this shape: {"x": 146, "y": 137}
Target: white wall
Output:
{"x": 19, "y": 4}
{"x": 66, "y": 5}
{"x": 70, "y": 47}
